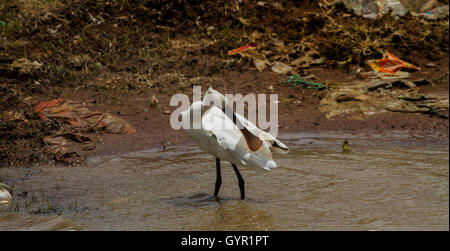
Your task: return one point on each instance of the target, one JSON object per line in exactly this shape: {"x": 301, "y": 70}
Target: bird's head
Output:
{"x": 214, "y": 98}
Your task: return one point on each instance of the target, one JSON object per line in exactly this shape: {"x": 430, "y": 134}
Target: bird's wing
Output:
{"x": 226, "y": 132}
{"x": 230, "y": 138}
{"x": 275, "y": 145}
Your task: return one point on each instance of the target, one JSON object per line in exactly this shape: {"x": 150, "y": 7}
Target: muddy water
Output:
{"x": 382, "y": 184}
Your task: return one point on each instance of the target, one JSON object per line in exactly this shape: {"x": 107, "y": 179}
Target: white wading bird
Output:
{"x": 5, "y": 196}
{"x": 243, "y": 143}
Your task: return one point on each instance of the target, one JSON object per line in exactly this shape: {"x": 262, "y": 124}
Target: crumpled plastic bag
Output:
{"x": 68, "y": 145}
{"x": 77, "y": 115}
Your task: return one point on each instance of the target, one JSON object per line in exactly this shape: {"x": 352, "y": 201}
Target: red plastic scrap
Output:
{"x": 390, "y": 64}
{"x": 52, "y": 103}
{"x": 242, "y": 48}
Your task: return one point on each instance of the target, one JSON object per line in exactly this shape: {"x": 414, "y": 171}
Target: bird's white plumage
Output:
{"x": 220, "y": 137}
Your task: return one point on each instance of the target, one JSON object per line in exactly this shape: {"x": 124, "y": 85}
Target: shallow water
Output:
{"x": 382, "y": 184}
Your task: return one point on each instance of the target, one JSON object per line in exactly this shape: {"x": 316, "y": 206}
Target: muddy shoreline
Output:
{"x": 298, "y": 111}
{"x": 112, "y": 145}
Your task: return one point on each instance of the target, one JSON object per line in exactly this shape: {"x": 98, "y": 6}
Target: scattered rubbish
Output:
{"x": 68, "y": 147}
{"x": 65, "y": 154}
{"x": 278, "y": 6}
{"x": 429, "y": 9}
{"x": 244, "y": 21}
{"x": 317, "y": 61}
{"x": 64, "y": 139}
{"x": 261, "y": 3}
{"x": 310, "y": 76}
{"x": 364, "y": 98}
{"x": 154, "y": 102}
{"x": 94, "y": 20}
{"x": 345, "y": 61}
{"x": 68, "y": 144}
{"x": 371, "y": 9}
{"x": 242, "y": 48}
{"x": 431, "y": 65}
{"x": 260, "y": 64}
{"x": 390, "y": 64}
{"x": 311, "y": 57}
{"x": 346, "y": 147}
{"x": 422, "y": 81}
{"x": 210, "y": 29}
{"x": 296, "y": 80}
{"x": 383, "y": 75}
{"x": 281, "y": 68}
{"x": 63, "y": 56}
{"x": 23, "y": 65}
{"x": 77, "y": 115}
{"x": 437, "y": 13}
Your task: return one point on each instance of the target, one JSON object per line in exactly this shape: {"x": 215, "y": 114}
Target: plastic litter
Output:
{"x": 69, "y": 143}
{"x": 281, "y": 68}
{"x": 365, "y": 98}
{"x": 346, "y": 148}
{"x": 390, "y": 64}
{"x": 24, "y": 66}
{"x": 77, "y": 115}
{"x": 372, "y": 9}
{"x": 246, "y": 47}
{"x": 436, "y": 13}
{"x": 296, "y": 80}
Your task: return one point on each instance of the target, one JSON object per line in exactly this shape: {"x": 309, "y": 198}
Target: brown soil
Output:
{"x": 140, "y": 49}
{"x": 154, "y": 130}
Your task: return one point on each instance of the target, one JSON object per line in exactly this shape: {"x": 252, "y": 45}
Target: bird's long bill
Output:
{"x": 253, "y": 142}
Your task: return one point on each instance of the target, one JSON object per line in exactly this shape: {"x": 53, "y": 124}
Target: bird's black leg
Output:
{"x": 240, "y": 180}
{"x": 218, "y": 178}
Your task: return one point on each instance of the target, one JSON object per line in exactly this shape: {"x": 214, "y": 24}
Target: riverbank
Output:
{"x": 127, "y": 59}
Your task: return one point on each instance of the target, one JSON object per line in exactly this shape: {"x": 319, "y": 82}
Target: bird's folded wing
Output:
{"x": 227, "y": 133}
{"x": 231, "y": 139}
{"x": 276, "y": 145}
